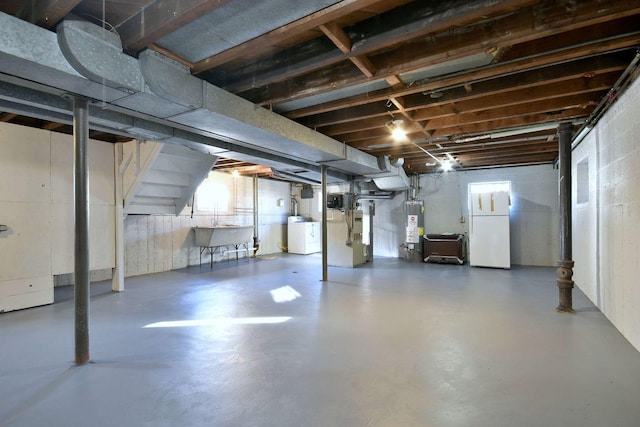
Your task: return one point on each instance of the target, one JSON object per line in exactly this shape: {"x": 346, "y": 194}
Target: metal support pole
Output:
{"x": 256, "y": 240}
{"x": 565, "y": 264}
{"x": 325, "y": 268}
{"x": 81, "y": 250}
{"x": 372, "y": 212}
{"x": 117, "y": 281}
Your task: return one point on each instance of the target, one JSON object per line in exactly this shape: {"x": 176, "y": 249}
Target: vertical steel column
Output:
{"x": 372, "y": 212}
{"x": 565, "y": 264}
{"x": 325, "y": 268}
{"x": 117, "y": 281}
{"x": 256, "y": 241}
{"x": 81, "y": 217}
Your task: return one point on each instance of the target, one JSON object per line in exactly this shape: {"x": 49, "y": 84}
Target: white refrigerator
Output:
{"x": 489, "y": 244}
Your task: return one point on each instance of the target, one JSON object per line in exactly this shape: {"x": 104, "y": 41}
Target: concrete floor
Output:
{"x": 388, "y": 344}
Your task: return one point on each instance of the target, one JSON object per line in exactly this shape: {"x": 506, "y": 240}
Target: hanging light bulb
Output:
{"x": 446, "y": 165}
{"x": 397, "y": 129}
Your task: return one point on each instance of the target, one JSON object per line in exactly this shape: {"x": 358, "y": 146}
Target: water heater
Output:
{"x": 414, "y": 229}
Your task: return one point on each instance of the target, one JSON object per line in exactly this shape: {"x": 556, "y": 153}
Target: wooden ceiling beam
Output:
{"x": 337, "y": 36}
{"x": 511, "y": 159}
{"x": 409, "y": 150}
{"x": 254, "y": 75}
{"x": 503, "y": 98}
{"x": 46, "y": 13}
{"x": 529, "y": 79}
{"x": 280, "y": 34}
{"x": 365, "y": 135}
{"x": 582, "y": 101}
{"x": 374, "y": 37}
{"x": 504, "y": 32}
{"x": 506, "y": 152}
{"x": 359, "y": 125}
{"x": 364, "y": 64}
{"x": 160, "y": 18}
{"x": 521, "y": 121}
{"x": 431, "y": 20}
{"x": 604, "y": 31}
{"x": 500, "y": 98}
{"x": 385, "y": 141}
{"x": 498, "y": 161}
{"x": 464, "y": 149}
{"x": 434, "y": 19}
{"x": 394, "y": 81}
{"x": 342, "y": 41}
{"x": 467, "y": 149}
{"x": 7, "y": 117}
{"x": 53, "y": 126}
{"x": 514, "y": 28}
{"x": 349, "y": 114}
{"x": 489, "y": 72}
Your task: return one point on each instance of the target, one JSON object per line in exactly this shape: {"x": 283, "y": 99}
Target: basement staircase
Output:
{"x": 159, "y": 178}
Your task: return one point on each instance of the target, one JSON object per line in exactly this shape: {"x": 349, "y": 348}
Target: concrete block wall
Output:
{"x": 605, "y": 174}
{"x": 535, "y": 219}
{"x": 534, "y": 211}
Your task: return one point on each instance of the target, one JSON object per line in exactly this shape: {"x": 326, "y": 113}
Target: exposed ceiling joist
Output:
{"x": 483, "y": 81}
{"x": 511, "y": 29}
{"x": 160, "y": 18}
{"x": 278, "y": 35}
{"x": 46, "y": 13}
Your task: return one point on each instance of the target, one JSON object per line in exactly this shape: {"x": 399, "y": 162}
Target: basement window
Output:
{"x": 212, "y": 197}
{"x": 489, "y": 187}
{"x": 477, "y": 188}
{"x": 582, "y": 183}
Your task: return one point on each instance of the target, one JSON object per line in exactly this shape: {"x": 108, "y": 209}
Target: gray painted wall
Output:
{"x": 534, "y": 211}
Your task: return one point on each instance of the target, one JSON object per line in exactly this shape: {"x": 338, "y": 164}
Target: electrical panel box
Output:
{"x": 335, "y": 201}
{"x": 306, "y": 193}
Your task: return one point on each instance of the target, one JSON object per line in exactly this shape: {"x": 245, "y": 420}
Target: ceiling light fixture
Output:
{"x": 396, "y": 127}
{"x": 446, "y": 165}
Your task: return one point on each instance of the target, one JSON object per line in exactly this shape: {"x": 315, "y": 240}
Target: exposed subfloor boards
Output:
{"x": 390, "y": 343}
